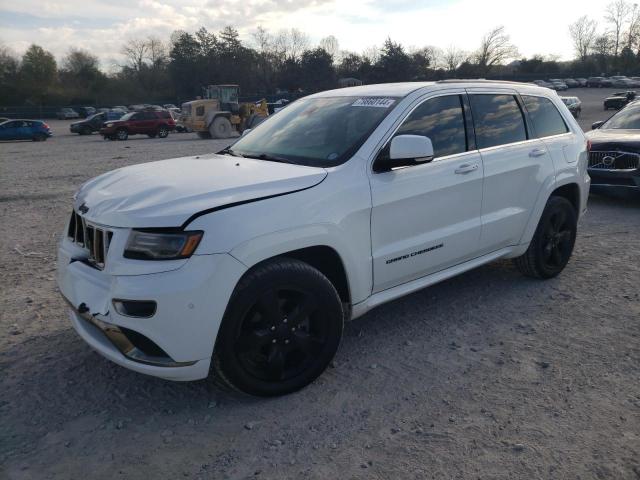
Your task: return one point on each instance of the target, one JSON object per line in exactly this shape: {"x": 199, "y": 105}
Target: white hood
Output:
{"x": 167, "y": 193}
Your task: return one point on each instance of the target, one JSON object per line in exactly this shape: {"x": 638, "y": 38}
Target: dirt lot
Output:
{"x": 487, "y": 375}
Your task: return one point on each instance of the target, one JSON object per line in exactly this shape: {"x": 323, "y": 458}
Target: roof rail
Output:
{"x": 477, "y": 80}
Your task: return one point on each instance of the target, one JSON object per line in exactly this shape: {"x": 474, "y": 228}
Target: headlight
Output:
{"x": 148, "y": 245}
{"x": 108, "y": 125}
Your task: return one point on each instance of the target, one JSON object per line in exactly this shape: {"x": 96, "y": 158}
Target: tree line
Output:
{"x": 269, "y": 63}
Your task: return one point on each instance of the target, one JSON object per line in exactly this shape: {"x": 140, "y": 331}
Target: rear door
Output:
{"x": 426, "y": 217}
{"x": 549, "y": 126}
{"x": 515, "y": 165}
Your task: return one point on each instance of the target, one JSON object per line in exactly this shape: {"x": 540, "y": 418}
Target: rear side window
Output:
{"x": 498, "y": 119}
{"x": 441, "y": 119}
{"x": 545, "y": 117}
{"x": 165, "y": 115}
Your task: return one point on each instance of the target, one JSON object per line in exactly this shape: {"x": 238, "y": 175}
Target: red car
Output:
{"x": 153, "y": 123}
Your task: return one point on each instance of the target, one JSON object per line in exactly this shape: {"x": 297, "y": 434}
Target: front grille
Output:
{"x": 614, "y": 160}
{"x": 93, "y": 239}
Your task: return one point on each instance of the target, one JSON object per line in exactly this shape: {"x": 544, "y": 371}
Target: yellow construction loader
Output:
{"x": 220, "y": 115}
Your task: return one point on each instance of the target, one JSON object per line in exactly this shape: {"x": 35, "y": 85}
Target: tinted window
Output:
{"x": 441, "y": 119}
{"x": 545, "y": 117}
{"x": 629, "y": 118}
{"x": 498, "y": 120}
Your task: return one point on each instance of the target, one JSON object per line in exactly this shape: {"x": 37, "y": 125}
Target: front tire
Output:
{"x": 122, "y": 134}
{"x": 553, "y": 241}
{"x": 220, "y": 128}
{"x": 281, "y": 329}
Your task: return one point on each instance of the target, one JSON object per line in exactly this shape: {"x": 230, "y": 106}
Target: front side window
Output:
{"x": 320, "y": 132}
{"x": 442, "y": 120}
{"x": 545, "y": 117}
{"x": 498, "y": 119}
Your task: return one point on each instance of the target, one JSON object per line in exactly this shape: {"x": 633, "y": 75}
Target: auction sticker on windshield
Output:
{"x": 373, "y": 102}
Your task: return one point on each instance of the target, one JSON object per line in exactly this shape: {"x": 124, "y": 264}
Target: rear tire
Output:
{"x": 553, "y": 241}
{"x": 220, "y": 128}
{"x": 281, "y": 329}
{"x": 163, "y": 132}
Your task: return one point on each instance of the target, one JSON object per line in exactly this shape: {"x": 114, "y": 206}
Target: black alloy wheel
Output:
{"x": 281, "y": 329}
{"x": 553, "y": 241}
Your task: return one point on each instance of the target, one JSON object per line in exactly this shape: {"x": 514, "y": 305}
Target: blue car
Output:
{"x": 35, "y": 130}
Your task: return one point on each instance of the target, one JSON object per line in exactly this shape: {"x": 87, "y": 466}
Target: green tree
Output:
{"x": 38, "y": 73}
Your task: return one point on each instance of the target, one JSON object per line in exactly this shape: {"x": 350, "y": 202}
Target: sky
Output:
{"x": 103, "y": 26}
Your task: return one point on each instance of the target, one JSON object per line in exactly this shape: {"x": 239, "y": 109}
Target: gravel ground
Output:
{"x": 487, "y": 375}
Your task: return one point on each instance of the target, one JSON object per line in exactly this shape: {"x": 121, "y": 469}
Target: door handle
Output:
{"x": 466, "y": 168}
{"x": 537, "y": 152}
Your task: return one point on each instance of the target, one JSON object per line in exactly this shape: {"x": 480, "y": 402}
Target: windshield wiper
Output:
{"x": 271, "y": 158}
{"x": 228, "y": 151}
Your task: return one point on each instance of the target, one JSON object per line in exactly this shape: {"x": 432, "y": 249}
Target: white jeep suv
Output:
{"x": 246, "y": 263}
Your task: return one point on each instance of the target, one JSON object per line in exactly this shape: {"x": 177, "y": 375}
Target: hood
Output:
{"x": 614, "y": 139}
{"x": 167, "y": 193}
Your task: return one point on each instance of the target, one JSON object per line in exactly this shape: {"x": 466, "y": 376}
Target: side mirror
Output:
{"x": 417, "y": 148}
{"x": 406, "y": 150}
{"x": 245, "y": 131}
{"x": 596, "y": 125}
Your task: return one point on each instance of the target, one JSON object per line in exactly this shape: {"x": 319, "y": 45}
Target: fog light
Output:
{"x": 135, "y": 308}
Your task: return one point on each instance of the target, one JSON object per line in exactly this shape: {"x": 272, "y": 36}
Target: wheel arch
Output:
{"x": 323, "y": 258}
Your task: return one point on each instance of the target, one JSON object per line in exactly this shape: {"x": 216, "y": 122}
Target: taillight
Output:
{"x": 45, "y": 126}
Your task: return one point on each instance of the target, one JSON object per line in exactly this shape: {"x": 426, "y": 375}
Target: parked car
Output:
{"x": 571, "y": 83}
{"x": 582, "y": 82}
{"x": 606, "y": 83}
{"x": 170, "y": 106}
{"x": 595, "y": 82}
{"x": 120, "y": 107}
{"x": 67, "y": 113}
{"x": 621, "y": 82}
{"x": 147, "y": 122}
{"x": 614, "y": 155}
{"x": 94, "y": 123}
{"x": 246, "y": 263}
{"x": 619, "y": 100}
{"x": 558, "y": 84}
{"x": 35, "y": 130}
{"x": 85, "y": 112}
{"x": 573, "y": 104}
{"x": 542, "y": 83}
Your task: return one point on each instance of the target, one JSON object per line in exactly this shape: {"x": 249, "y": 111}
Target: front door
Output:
{"x": 427, "y": 217}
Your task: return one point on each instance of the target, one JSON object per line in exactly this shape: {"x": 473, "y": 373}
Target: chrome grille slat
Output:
{"x": 94, "y": 239}
{"x": 614, "y": 160}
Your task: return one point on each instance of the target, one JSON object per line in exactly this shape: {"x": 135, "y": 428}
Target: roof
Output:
{"x": 405, "y": 88}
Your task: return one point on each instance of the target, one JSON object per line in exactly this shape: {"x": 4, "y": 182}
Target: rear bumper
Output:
{"x": 177, "y": 341}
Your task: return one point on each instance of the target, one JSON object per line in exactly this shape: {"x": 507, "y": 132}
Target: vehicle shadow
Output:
{"x": 57, "y": 376}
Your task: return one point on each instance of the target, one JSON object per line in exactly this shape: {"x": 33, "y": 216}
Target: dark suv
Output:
{"x": 152, "y": 123}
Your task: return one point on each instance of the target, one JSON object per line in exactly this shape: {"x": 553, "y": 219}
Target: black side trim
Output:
{"x": 235, "y": 204}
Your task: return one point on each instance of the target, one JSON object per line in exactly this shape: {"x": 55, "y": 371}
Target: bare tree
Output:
{"x": 135, "y": 51}
{"x": 331, "y": 46}
{"x": 617, "y": 15}
{"x": 583, "y": 34}
{"x": 453, "y": 57}
{"x": 633, "y": 30}
{"x": 263, "y": 40}
{"x": 157, "y": 53}
{"x": 291, "y": 43}
{"x": 371, "y": 53}
{"x": 495, "y": 48}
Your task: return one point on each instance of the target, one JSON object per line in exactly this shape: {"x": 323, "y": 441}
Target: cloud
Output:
{"x": 102, "y": 26}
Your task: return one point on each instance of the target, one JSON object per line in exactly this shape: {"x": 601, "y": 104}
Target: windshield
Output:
{"x": 625, "y": 119}
{"x": 319, "y": 132}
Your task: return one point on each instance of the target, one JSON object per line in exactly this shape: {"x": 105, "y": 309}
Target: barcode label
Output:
{"x": 373, "y": 102}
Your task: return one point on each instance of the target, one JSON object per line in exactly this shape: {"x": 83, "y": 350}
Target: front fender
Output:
{"x": 267, "y": 246}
